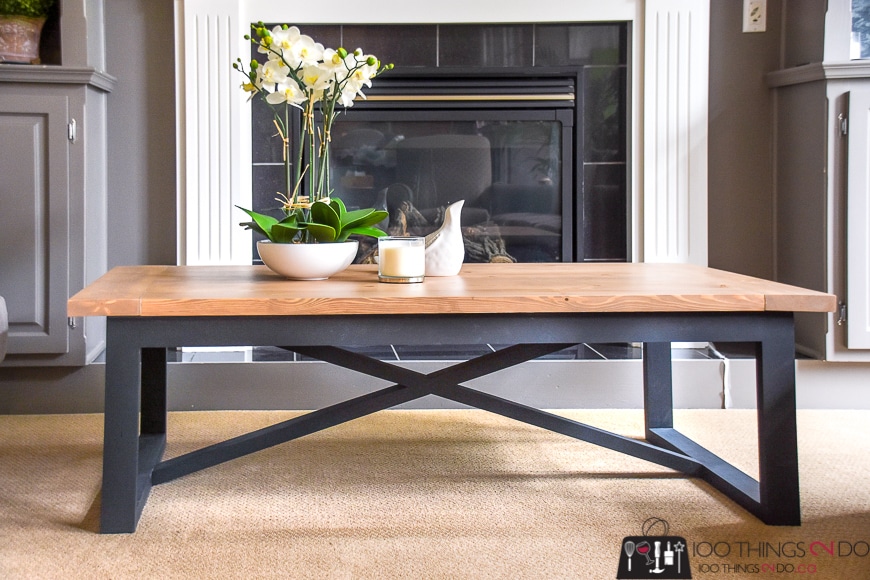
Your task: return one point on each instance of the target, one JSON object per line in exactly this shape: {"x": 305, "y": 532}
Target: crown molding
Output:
{"x": 818, "y": 71}
{"x": 26, "y": 73}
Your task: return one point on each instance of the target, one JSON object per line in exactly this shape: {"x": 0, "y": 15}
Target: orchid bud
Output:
{"x": 358, "y": 52}
{"x": 254, "y": 64}
{"x": 341, "y": 52}
{"x": 371, "y": 61}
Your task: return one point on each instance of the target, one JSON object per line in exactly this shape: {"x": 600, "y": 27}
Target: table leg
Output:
{"x": 777, "y": 425}
{"x": 118, "y": 511}
{"x": 658, "y": 398}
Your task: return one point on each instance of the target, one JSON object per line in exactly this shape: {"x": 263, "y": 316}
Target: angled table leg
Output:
{"x": 775, "y": 497}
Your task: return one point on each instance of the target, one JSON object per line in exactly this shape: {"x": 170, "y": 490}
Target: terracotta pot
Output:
{"x": 19, "y": 39}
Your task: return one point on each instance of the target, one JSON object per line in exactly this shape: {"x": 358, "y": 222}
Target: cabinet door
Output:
{"x": 858, "y": 222}
{"x": 34, "y": 214}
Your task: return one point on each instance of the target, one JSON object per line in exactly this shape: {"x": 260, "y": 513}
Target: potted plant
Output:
{"x": 299, "y": 72}
{"x": 21, "y": 24}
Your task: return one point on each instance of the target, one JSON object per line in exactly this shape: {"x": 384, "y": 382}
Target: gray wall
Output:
{"x": 140, "y": 46}
{"x": 804, "y": 31}
{"x": 741, "y": 163}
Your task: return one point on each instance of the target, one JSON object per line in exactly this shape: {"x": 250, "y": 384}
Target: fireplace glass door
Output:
{"x": 506, "y": 165}
{"x": 512, "y": 168}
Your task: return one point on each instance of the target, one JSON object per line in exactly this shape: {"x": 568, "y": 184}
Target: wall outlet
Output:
{"x": 754, "y": 15}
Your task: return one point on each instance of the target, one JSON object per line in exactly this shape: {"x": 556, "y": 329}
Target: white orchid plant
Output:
{"x": 299, "y": 72}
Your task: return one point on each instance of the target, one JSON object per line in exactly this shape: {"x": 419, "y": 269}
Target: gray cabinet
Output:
{"x": 857, "y": 220}
{"x": 34, "y": 220}
{"x": 822, "y": 178}
{"x": 52, "y": 208}
{"x": 53, "y": 235}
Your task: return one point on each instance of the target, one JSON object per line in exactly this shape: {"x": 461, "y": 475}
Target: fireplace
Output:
{"x": 666, "y": 74}
{"x": 527, "y": 123}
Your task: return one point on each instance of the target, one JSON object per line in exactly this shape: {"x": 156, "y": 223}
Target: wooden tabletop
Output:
{"x": 479, "y": 288}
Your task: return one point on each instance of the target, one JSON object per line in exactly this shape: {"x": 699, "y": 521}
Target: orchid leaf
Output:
{"x": 363, "y": 217}
{"x": 339, "y": 207}
{"x": 322, "y": 232}
{"x": 361, "y": 231}
{"x": 325, "y": 214}
{"x": 324, "y": 223}
{"x": 284, "y": 233}
{"x": 261, "y": 224}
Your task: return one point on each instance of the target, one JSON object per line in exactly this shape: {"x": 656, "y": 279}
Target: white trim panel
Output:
{"x": 212, "y": 131}
{"x": 676, "y": 72}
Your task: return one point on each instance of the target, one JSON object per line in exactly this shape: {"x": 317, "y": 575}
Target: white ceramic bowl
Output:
{"x": 307, "y": 261}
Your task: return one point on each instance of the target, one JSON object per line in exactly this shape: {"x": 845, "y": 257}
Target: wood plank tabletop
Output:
{"x": 479, "y": 288}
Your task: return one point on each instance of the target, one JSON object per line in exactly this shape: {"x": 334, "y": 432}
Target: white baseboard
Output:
{"x": 819, "y": 385}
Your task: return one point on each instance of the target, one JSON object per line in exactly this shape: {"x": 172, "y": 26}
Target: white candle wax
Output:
{"x": 402, "y": 261}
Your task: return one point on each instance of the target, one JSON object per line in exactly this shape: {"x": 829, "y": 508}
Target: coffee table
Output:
{"x": 536, "y": 308}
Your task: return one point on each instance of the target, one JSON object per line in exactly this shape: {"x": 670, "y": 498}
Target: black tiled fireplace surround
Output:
{"x": 593, "y": 57}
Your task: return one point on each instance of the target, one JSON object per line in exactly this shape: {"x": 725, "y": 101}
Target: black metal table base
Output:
{"x": 135, "y": 410}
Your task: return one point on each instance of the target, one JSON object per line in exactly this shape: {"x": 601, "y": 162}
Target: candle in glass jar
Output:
{"x": 401, "y": 260}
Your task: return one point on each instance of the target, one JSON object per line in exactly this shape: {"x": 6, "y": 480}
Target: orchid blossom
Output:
{"x": 299, "y": 72}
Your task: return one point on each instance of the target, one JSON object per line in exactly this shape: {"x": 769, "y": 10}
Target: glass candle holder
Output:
{"x": 401, "y": 260}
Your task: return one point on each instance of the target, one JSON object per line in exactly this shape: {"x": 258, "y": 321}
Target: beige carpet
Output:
{"x": 424, "y": 494}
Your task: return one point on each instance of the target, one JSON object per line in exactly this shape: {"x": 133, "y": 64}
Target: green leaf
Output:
{"x": 291, "y": 220}
{"x": 321, "y": 232}
{"x": 339, "y": 207}
{"x": 261, "y": 224}
{"x": 325, "y": 214}
{"x": 361, "y": 231}
{"x": 254, "y": 227}
{"x": 283, "y": 233}
{"x": 363, "y": 217}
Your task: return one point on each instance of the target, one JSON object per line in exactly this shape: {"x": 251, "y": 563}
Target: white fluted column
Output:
{"x": 213, "y": 134}
{"x": 675, "y": 95}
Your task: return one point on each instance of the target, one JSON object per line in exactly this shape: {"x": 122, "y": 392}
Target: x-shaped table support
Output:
{"x": 136, "y": 405}
{"x": 683, "y": 455}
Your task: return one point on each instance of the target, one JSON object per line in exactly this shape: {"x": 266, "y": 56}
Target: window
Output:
{"x": 860, "y": 45}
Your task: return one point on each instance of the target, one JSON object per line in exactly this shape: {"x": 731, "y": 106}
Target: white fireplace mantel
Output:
{"x": 668, "y": 93}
